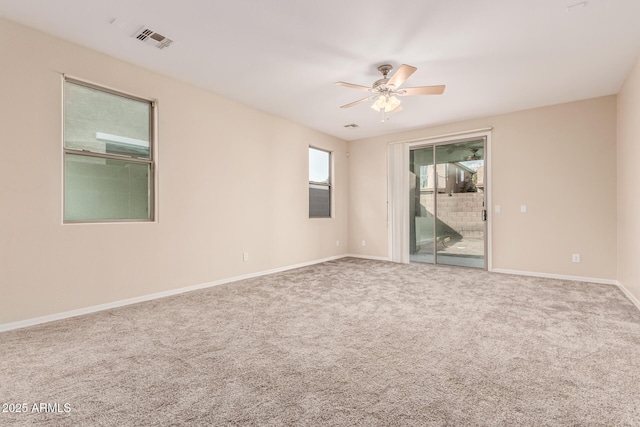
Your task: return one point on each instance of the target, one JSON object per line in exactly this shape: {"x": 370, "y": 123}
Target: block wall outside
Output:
{"x": 460, "y": 211}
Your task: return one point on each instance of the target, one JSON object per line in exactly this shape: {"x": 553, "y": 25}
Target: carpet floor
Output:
{"x": 349, "y": 342}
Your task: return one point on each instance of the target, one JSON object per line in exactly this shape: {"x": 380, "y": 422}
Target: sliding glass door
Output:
{"x": 447, "y": 223}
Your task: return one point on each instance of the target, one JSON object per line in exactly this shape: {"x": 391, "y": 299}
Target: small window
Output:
{"x": 108, "y": 155}
{"x": 319, "y": 183}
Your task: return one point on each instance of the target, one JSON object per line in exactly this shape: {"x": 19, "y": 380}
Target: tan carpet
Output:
{"x": 349, "y": 342}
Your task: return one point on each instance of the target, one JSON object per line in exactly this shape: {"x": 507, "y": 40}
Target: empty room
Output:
{"x": 320, "y": 213}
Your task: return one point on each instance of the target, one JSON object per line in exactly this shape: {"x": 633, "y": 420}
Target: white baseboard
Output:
{"x": 121, "y": 303}
{"x": 629, "y": 295}
{"x": 557, "y": 276}
{"x": 374, "y": 258}
{"x": 115, "y": 304}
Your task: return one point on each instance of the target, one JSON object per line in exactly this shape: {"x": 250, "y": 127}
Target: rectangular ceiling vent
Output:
{"x": 152, "y": 38}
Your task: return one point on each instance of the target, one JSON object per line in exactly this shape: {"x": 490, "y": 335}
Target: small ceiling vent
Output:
{"x": 152, "y": 38}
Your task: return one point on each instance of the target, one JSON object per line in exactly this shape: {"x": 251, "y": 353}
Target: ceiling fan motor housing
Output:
{"x": 380, "y": 85}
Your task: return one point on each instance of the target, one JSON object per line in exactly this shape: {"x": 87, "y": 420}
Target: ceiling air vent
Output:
{"x": 152, "y": 38}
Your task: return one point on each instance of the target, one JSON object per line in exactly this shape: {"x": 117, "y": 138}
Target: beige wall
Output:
{"x": 629, "y": 182}
{"x": 560, "y": 161}
{"x": 231, "y": 179}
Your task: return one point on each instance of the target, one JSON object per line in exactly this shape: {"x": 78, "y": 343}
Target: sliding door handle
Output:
{"x": 484, "y": 214}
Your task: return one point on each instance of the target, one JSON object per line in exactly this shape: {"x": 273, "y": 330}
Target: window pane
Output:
{"x": 105, "y": 189}
{"x": 319, "y": 201}
{"x": 103, "y": 122}
{"x": 318, "y": 165}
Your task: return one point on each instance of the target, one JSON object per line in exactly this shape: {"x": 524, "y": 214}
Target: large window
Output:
{"x": 319, "y": 183}
{"x": 108, "y": 155}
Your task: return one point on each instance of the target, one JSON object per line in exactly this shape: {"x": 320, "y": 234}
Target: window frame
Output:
{"x": 151, "y": 161}
{"x": 328, "y": 184}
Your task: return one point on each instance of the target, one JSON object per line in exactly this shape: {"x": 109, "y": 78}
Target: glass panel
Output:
{"x": 460, "y": 228}
{"x": 103, "y": 122}
{"x": 319, "y": 165}
{"x": 104, "y": 189}
{"x": 319, "y": 201}
{"x": 421, "y": 208}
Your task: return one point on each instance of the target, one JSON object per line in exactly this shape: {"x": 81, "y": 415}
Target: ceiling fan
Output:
{"x": 384, "y": 90}
{"x": 460, "y": 149}
{"x": 474, "y": 155}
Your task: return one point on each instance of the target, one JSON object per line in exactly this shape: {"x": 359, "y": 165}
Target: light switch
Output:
{"x": 523, "y": 208}
{"x": 497, "y": 209}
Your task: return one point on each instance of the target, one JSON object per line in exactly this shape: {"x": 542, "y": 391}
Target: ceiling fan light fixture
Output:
{"x": 379, "y": 103}
{"x": 392, "y": 103}
{"x": 386, "y": 103}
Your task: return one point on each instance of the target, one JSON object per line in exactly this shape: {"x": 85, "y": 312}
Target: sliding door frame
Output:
{"x": 398, "y": 194}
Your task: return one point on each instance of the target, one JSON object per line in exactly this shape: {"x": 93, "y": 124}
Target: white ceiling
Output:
{"x": 283, "y": 56}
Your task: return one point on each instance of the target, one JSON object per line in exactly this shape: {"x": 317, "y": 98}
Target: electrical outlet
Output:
{"x": 523, "y": 208}
{"x": 245, "y": 256}
{"x": 364, "y": 243}
{"x": 497, "y": 209}
{"x": 575, "y": 257}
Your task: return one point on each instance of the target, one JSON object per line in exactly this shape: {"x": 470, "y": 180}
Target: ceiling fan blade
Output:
{"x": 351, "y": 85}
{"x": 422, "y": 90}
{"x": 360, "y": 101}
{"x": 401, "y": 75}
{"x": 397, "y": 109}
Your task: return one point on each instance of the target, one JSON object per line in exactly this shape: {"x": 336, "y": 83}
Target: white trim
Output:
{"x": 444, "y": 137}
{"x": 403, "y": 198}
{"x": 373, "y": 258}
{"x": 101, "y": 307}
{"x": 557, "y": 276}
{"x": 629, "y": 295}
{"x": 121, "y": 303}
{"x": 488, "y": 198}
